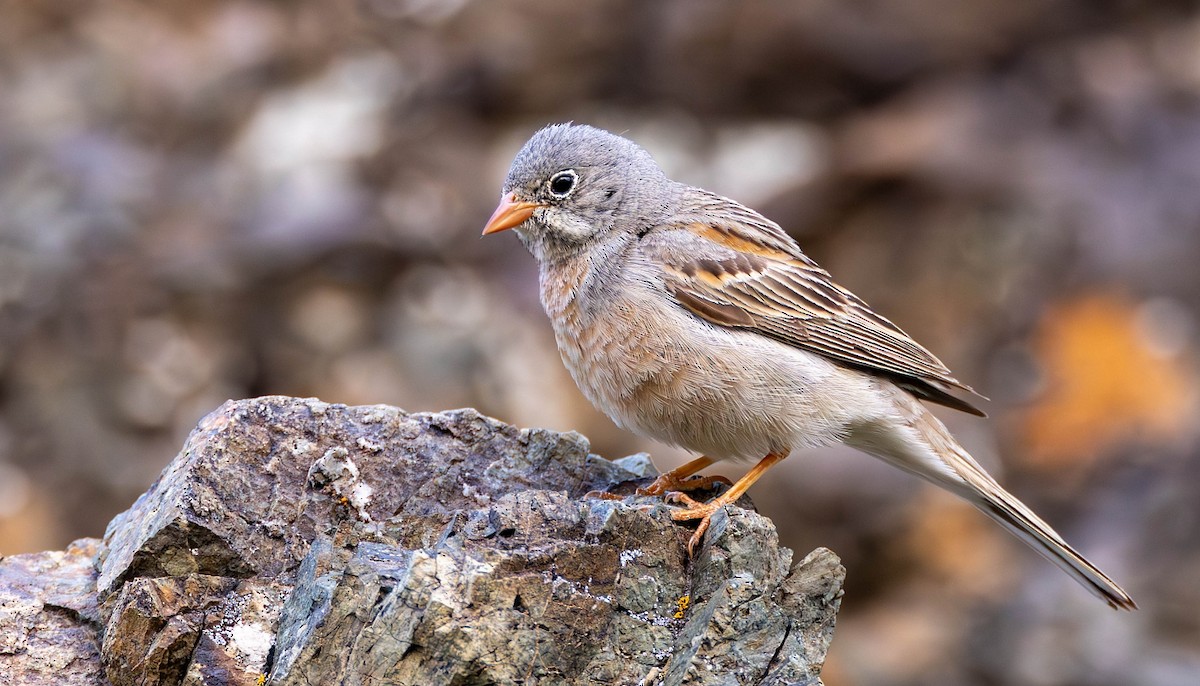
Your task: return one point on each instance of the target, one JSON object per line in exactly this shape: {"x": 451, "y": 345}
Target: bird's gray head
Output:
{"x": 571, "y": 185}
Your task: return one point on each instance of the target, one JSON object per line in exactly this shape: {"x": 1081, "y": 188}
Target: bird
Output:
{"x": 692, "y": 319}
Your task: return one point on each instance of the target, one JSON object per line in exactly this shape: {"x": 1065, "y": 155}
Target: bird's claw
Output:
{"x": 680, "y": 498}
{"x": 698, "y": 536}
{"x": 696, "y": 510}
{"x": 602, "y": 495}
{"x": 668, "y": 482}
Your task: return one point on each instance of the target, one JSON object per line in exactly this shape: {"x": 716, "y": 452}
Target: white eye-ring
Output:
{"x": 562, "y": 183}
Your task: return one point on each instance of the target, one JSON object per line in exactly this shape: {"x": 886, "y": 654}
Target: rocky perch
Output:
{"x": 298, "y": 542}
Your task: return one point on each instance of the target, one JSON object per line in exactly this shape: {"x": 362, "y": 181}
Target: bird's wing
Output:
{"x": 732, "y": 267}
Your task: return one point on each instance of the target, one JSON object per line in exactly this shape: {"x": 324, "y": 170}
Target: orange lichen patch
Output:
{"x": 1106, "y": 383}
{"x": 681, "y": 606}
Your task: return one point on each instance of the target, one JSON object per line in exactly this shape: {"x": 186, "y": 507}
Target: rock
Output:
{"x": 297, "y": 542}
{"x": 48, "y": 618}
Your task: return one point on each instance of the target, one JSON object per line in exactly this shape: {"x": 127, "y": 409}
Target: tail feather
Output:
{"x": 1014, "y": 516}
{"x": 923, "y": 446}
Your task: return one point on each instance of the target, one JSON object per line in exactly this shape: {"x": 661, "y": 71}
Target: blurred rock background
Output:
{"x": 217, "y": 199}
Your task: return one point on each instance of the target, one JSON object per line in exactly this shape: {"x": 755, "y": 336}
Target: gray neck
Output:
{"x": 582, "y": 282}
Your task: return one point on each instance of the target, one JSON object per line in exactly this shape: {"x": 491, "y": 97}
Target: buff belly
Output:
{"x": 744, "y": 397}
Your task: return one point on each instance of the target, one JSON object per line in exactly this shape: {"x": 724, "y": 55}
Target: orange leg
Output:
{"x": 677, "y": 479}
{"x": 704, "y": 511}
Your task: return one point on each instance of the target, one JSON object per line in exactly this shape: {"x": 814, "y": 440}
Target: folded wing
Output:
{"x": 732, "y": 267}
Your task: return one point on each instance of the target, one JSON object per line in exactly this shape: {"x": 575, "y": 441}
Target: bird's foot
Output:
{"x": 602, "y": 495}
{"x": 704, "y": 511}
{"x": 669, "y": 482}
{"x": 696, "y": 510}
{"x": 678, "y": 498}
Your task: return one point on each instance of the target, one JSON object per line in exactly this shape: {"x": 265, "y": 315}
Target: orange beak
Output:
{"x": 510, "y": 213}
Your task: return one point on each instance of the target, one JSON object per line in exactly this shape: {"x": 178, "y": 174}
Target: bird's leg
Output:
{"x": 677, "y": 479}
{"x": 704, "y": 511}
{"x": 674, "y": 481}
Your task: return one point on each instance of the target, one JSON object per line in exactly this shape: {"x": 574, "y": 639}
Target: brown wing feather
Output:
{"x": 732, "y": 267}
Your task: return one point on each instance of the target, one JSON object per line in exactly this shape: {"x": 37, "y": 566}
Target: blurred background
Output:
{"x": 212, "y": 199}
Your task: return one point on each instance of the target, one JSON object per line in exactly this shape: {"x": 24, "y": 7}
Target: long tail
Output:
{"x": 923, "y": 446}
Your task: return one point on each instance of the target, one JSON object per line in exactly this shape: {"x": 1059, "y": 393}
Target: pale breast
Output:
{"x": 609, "y": 345}
{"x": 660, "y": 372}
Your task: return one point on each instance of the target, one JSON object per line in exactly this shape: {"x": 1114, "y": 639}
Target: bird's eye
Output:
{"x": 562, "y": 183}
